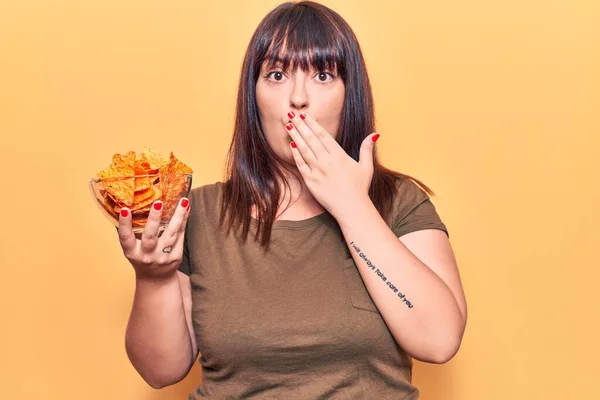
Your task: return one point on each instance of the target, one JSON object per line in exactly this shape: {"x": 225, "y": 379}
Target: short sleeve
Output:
{"x": 414, "y": 211}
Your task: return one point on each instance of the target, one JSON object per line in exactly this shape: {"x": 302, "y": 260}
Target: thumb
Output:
{"x": 366, "y": 150}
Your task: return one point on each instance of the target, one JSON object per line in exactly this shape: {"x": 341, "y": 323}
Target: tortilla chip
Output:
{"x": 155, "y": 161}
{"x": 173, "y": 182}
{"x": 155, "y": 194}
{"x": 142, "y": 183}
{"x": 118, "y": 178}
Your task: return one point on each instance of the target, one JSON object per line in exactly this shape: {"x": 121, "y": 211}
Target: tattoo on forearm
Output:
{"x": 168, "y": 249}
{"x": 382, "y": 276}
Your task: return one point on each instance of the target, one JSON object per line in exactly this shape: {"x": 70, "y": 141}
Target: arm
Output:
{"x": 160, "y": 342}
{"x": 422, "y": 304}
{"x": 414, "y": 282}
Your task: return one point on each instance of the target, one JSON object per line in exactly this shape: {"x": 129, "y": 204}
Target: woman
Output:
{"x": 311, "y": 271}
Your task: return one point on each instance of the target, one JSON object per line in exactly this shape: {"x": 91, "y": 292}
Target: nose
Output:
{"x": 299, "y": 97}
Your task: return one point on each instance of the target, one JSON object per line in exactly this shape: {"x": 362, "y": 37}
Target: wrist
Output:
{"x": 354, "y": 209}
{"x": 153, "y": 279}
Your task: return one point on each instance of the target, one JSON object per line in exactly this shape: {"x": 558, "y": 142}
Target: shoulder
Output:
{"x": 210, "y": 191}
{"x": 205, "y": 199}
{"x": 413, "y": 209}
{"x": 409, "y": 195}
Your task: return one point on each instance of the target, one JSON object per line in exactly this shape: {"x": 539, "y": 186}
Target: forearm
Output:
{"x": 418, "y": 307}
{"x": 158, "y": 341}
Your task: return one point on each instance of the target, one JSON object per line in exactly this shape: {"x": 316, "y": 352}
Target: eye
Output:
{"x": 322, "y": 76}
{"x": 277, "y": 76}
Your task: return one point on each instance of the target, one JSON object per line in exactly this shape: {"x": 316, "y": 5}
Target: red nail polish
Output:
{"x": 184, "y": 203}
{"x": 289, "y": 127}
{"x": 291, "y": 115}
{"x": 293, "y": 144}
{"x": 375, "y": 138}
{"x": 157, "y": 206}
{"x": 303, "y": 116}
{"x": 124, "y": 213}
{"x": 188, "y": 207}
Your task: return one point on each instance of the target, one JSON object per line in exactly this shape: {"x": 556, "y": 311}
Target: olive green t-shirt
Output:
{"x": 296, "y": 322}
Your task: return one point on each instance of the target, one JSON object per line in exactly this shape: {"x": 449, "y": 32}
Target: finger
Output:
{"x": 366, "y": 150}
{"x": 181, "y": 237}
{"x": 174, "y": 226}
{"x": 150, "y": 234}
{"x": 307, "y": 154}
{"x": 126, "y": 236}
{"x": 310, "y": 138}
{"x": 328, "y": 141}
{"x": 186, "y": 218}
{"x": 300, "y": 163}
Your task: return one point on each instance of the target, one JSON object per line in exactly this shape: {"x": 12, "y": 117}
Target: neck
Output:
{"x": 302, "y": 202}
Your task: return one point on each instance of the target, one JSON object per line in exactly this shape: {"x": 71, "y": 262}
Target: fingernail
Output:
{"x": 188, "y": 207}
{"x": 158, "y": 205}
{"x": 375, "y": 138}
{"x": 302, "y": 115}
{"x": 291, "y": 115}
{"x": 293, "y": 144}
{"x": 289, "y": 127}
{"x": 124, "y": 213}
{"x": 184, "y": 203}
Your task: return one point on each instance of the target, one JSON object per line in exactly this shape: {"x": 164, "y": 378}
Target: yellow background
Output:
{"x": 495, "y": 104}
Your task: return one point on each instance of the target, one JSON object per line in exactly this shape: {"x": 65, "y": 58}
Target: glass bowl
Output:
{"x": 111, "y": 194}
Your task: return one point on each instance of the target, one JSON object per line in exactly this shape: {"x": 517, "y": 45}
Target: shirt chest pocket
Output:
{"x": 357, "y": 291}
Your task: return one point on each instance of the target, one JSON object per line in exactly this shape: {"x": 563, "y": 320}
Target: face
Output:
{"x": 319, "y": 94}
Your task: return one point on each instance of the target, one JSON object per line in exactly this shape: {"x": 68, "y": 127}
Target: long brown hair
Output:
{"x": 305, "y": 34}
